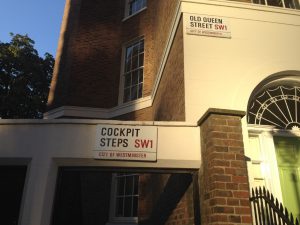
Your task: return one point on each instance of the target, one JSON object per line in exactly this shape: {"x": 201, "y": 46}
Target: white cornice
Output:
{"x": 245, "y": 5}
{"x": 89, "y": 112}
{"x": 255, "y": 129}
{"x": 94, "y": 122}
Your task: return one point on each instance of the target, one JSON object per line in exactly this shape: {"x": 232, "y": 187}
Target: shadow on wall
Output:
{"x": 175, "y": 188}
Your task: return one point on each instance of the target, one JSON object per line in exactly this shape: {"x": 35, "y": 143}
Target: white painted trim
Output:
{"x": 126, "y": 13}
{"x": 161, "y": 163}
{"x": 120, "y": 223}
{"x": 93, "y": 121}
{"x": 55, "y": 113}
{"x": 259, "y": 129}
{"x": 265, "y": 135}
{"x": 89, "y": 112}
{"x": 266, "y": 162}
{"x": 122, "y": 68}
{"x": 113, "y": 220}
{"x": 245, "y": 5}
{"x": 132, "y": 15}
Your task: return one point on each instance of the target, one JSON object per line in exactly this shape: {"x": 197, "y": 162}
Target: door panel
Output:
{"x": 289, "y": 178}
{"x": 288, "y": 159}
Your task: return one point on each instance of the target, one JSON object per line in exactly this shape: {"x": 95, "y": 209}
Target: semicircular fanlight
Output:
{"x": 278, "y": 106}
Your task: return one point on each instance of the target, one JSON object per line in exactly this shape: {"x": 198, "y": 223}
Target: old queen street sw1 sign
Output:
{"x": 208, "y": 26}
{"x": 136, "y": 143}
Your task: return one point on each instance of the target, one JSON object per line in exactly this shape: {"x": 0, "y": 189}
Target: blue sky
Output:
{"x": 40, "y": 19}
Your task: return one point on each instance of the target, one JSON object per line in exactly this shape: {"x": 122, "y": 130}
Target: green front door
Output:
{"x": 288, "y": 159}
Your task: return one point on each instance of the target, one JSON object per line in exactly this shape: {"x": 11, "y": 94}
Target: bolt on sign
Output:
{"x": 204, "y": 25}
{"x": 134, "y": 143}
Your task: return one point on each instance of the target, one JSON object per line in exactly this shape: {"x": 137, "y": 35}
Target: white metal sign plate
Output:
{"x": 134, "y": 143}
{"x": 204, "y": 25}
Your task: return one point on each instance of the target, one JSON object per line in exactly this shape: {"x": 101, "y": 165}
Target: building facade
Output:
{"x": 162, "y": 112}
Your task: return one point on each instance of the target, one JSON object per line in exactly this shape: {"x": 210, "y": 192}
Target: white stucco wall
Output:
{"x": 222, "y": 72}
{"x": 44, "y": 145}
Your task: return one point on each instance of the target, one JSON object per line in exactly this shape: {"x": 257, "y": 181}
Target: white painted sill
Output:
{"x": 132, "y": 15}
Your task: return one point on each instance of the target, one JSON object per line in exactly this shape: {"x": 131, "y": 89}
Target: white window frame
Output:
{"x": 129, "y": 14}
{"x": 268, "y": 161}
{"x": 113, "y": 219}
{"x": 265, "y": 2}
{"x": 264, "y": 134}
{"x": 122, "y": 72}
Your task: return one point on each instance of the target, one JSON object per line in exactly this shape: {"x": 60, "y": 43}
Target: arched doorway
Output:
{"x": 274, "y": 107}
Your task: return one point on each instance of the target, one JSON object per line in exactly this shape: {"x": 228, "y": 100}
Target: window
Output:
{"x": 125, "y": 197}
{"x": 278, "y": 106}
{"x": 292, "y": 4}
{"x": 133, "y": 71}
{"x": 135, "y": 6}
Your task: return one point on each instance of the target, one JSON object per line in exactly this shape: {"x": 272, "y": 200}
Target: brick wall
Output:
{"x": 60, "y": 79}
{"x": 224, "y": 187}
{"x": 169, "y": 100}
{"x": 95, "y": 55}
{"x": 88, "y": 69}
{"x": 138, "y": 115}
{"x": 166, "y": 199}
{"x": 168, "y": 104}
{"x": 163, "y": 13}
{"x": 183, "y": 214}
{"x": 151, "y": 186}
